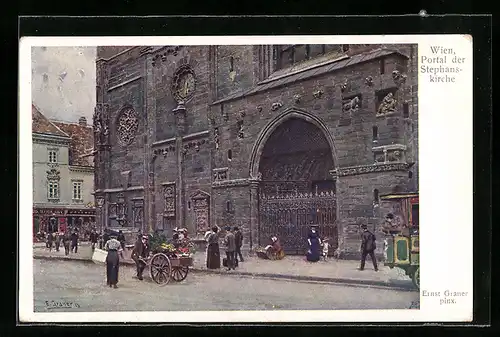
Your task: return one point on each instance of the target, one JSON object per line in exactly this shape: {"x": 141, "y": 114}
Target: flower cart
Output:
{"x": 168, "y": 261}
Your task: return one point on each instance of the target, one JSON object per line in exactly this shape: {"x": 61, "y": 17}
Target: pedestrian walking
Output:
{"x": 93, "y": 238}
{"x": 50, "y": 241}
{"x": 140, "y": 253}
{"x": 213, "y": 251}
{"x": 58, "y": 237}
{"x": 74, "y": 241}
{"x": 367, "y": 247}
{"x": 230, "y": 244}
{"x": 314, "y": 243}
{"x": 113, "y": 246}
{"x": 66, "y": 242}
{"x": 238, "y": 238}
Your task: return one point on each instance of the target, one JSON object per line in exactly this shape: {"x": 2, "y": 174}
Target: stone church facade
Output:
{"x": 273, "y": 139}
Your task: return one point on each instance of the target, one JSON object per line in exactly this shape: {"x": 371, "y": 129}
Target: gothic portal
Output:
{"x": 296, "y": 189}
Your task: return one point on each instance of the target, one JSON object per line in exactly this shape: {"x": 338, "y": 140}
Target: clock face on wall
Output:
{"x": 184, "y": 84}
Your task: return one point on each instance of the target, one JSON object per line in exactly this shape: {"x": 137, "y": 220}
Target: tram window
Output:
{"x": 414, "y": 215}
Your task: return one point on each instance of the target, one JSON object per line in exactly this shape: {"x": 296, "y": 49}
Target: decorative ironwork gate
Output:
{"x": 289, "y": 209}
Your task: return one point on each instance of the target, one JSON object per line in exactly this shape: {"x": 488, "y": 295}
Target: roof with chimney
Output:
{"x": 42, "y": 125}
{"x": 82, "y": 141}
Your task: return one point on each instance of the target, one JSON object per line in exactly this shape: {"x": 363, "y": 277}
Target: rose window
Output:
{"x": 128, "y": 123}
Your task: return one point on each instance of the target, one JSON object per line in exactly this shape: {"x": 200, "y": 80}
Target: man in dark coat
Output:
{"x": 58, "y": 237}
{"x": 367, "y": 247}
{"x": 121, "y": 238}
{"x": 238, "y": 238}
{"x": 66, "y": 242}
{"x": 230, "y": 244}
{"x": 74, "y": 241}
{"x": 93, "y": 238}
{"x": 140, "y": 252}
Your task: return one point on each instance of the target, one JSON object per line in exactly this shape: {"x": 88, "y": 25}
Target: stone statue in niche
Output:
{"x": 240, "y": 129}
{"x": 387, "y": 105}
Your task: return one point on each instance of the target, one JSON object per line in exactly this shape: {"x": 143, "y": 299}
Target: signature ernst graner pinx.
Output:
{"x": 61, "y": 305}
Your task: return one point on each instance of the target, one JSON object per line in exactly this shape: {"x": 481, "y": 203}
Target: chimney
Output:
{"x": 82, "y": 121}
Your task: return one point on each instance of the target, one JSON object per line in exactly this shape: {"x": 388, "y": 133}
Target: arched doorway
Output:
{"x": 296, "y": 190}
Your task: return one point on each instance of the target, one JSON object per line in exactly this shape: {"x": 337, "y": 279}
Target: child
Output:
{"x": 326, "y": 246}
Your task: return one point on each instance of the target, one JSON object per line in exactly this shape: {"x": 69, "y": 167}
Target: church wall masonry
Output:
{"x": 183, "y": 124}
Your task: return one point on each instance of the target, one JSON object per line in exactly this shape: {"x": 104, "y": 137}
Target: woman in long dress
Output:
{"x": 314, "y": 242}
{"x": 113, "y": 246}
{"x": 213, "y": 252}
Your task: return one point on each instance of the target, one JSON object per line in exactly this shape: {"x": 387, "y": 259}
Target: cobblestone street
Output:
{"x": 83, "y": 284}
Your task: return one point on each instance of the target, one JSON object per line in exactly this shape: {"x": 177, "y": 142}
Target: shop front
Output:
{"x": 50, "y": 220}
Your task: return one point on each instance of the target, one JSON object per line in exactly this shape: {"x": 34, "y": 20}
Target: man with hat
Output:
{"x": 139, "y": 253}
{"x": 367, "y": 247}
{"x": 230, "y": 244}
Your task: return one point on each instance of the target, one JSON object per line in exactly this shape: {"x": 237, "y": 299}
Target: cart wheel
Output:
{"x": 160, "y": 269}
{"x": 416, "y": 278}
{"x": 180, "y": 273}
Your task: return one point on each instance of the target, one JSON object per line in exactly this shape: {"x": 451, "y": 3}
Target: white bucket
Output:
{"x": 99, "y": 256}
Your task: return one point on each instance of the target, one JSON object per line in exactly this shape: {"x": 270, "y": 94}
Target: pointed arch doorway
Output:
{"x": 296, "y": 190}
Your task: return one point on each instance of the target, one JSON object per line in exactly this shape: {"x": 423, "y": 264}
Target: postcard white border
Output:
{"x": 446, "y": 231}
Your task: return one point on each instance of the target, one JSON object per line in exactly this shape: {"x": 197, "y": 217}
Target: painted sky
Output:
{"x": 63, "y": 82}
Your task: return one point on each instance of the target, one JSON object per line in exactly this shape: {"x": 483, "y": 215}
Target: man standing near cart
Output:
{"x": 367, "y": 247}
{"x": 140, "y": 252}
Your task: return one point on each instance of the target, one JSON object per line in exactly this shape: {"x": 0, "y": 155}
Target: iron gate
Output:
{"x": 287, "y": 211}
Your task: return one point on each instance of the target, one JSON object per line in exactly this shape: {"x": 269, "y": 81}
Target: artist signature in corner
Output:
{"x": 61, "y": 305}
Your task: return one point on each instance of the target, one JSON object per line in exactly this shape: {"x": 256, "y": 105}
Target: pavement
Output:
{"x": 290, "y": 268}
{"x": 66, "y": 286}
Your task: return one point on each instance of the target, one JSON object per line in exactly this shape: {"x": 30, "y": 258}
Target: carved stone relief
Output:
{"x": 344, "y": 86}
{"x": 162, "y": 56}
{"x": 220, "y": 174}
{"x": 297, "y": 98}
{"x": 318, "y": 93}
{"x": 112, "y": 210}
{"x": 100, "y": 124}
{"x": 351, "y": 104}
{"x": 169, "y": 200}
{"x": 369, "y": 81}
{"x": 201, "y": 208}
{"x": 53, "y": 175}
{"x": 387, "y": 105}
{"x": 398, "y": 77}
{"x": 216, "y": 138}
{"x": 275, "y": 106}
{"x": 127, "y": 127}
{"x": 193, "y": 145}
{"x": 165, "y": 151}
{"x": 138, "y": 213}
